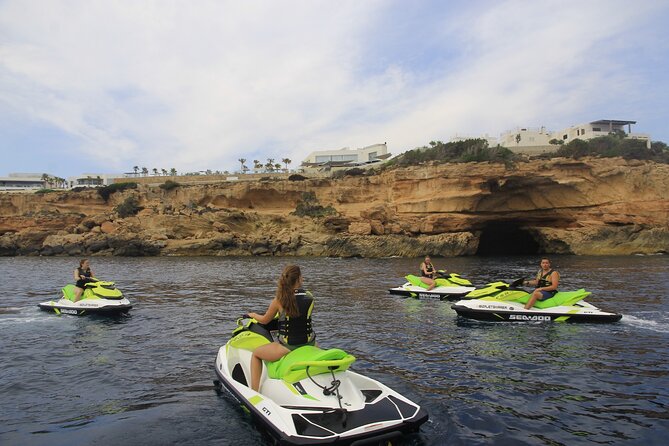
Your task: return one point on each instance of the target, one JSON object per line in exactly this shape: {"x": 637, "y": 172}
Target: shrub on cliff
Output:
{"x": 106, "y": 191}
{"x": 309, "y": 206}
{"x": 614, "y": 145}
{"x": 169, "y": 185}
{"x": 44, "y": 191}
{"x": 476, "y": 150}
{"x": 353, "y": 172}
{"x": 129, "y": 207}
{"x": 296, "y": 177}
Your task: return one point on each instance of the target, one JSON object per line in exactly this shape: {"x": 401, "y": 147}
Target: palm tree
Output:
{"x": 257, "y": 165}
{"x": 136, "y": 169}
{"x": 164, "y": 172}
{"x": 173, "y": 172}
{"x": 155, "y": 171}
{"x": 242, "y": 161}
{"x": 286, "y": 161}
{"x": 277, "y": 166}
{"x": 270, "y": 164}
{"x": 145, "y": 171}
{"x": 46, "y": 178}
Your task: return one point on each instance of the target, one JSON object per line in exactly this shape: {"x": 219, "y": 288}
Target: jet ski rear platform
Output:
{"x": 310, "y": 397}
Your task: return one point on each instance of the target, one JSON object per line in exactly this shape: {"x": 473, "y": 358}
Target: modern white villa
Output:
{"x": 534, "y": 141}
{"x": 346, "y": 157}
{"x": 92, "y": 179}
{"x": 22, "y": 181}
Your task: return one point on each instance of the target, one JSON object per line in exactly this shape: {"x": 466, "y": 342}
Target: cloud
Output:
{"x": 197, "y": 85}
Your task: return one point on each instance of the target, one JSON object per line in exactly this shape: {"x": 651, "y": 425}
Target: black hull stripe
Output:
{"x": 117, "y": 309}
{"x": 426, "y": 295}
{"x": 506, "y": 316}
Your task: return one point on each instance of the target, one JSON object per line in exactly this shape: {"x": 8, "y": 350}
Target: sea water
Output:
{"x": 146, "y": 378}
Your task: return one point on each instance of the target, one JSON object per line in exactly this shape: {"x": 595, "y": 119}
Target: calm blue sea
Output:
{"x": 146, "y": 379}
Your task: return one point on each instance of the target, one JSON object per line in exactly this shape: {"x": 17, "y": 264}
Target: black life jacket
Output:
{"x": 84, "y": 272}
{"x": 543, "y": 281}
{"x": 429, "y": 268}
{"x": 297, "y": 330}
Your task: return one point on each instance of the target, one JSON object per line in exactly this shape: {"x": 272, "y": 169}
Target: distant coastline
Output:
{"x": 591, "y": 206}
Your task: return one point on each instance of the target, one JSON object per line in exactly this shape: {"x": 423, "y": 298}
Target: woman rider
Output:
{"x": 294, "y": 322}
{"x": 428, "y": 273}
{"x": 82, "y": 275}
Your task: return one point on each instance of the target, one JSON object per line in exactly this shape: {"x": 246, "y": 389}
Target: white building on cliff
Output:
{"x": 346, "y": 157}
{"x": 533, "y": 141}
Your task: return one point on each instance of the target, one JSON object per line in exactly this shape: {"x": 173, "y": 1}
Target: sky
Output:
{"x": 94, "y": 86}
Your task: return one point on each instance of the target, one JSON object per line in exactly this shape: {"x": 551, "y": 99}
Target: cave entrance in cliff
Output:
{"x": 506, "y": 238}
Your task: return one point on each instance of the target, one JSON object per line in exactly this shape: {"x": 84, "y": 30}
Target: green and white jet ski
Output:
{"x": 99, "y": 297}
{"x": 310, "y": 396}
{"x": 502, "y": 302}
{"x": 448, "y": 286}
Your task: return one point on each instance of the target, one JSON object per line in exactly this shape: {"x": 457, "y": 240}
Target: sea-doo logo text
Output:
{"x": 66, "y": 311}
{"x": 524, "y": 317}
{"x": 425, "y": 295}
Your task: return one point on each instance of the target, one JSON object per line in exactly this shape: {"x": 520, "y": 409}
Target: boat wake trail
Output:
{"x": 655, "y": 322}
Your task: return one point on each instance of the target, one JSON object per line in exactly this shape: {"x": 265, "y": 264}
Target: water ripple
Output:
{"x": 146, "y": 378}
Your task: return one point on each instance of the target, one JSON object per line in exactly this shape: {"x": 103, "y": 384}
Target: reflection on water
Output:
{"x": 146, "y": 378}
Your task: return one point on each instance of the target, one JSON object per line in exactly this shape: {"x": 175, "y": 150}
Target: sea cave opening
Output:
{"x": 506, "y": 238}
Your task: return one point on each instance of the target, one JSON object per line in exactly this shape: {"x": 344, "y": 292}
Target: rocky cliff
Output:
{"x": 593, "y": 206}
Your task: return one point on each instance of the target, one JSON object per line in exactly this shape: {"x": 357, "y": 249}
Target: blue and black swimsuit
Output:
{"x": 430, "y": 271}
{"x": 87, "y": 274}
{"x": 543, "y": 281}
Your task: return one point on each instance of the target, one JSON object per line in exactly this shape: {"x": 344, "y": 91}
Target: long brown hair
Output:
{"x": 285, "y": 293}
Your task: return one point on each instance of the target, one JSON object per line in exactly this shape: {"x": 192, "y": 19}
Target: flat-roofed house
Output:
{"x": 346, "y": 158}
{"x": 22, "y": 181}
{"x": 600, "y": 128}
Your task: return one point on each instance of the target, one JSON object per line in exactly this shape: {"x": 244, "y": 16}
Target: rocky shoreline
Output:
{"x": 586, "y": 207}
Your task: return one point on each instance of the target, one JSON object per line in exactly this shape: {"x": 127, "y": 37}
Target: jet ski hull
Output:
{"x": 86, "y": 306}
{"x": 441, "y": 293}
{"x": 509, "y": 312}
{"x": 302, "y": 413}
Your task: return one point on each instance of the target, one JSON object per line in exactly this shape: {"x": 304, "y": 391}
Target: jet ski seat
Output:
{"x": 309, "y": 361}
{"x": 561, "y": 298}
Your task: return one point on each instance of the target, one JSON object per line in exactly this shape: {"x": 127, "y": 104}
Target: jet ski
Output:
{"x": 99, "y": 297}
{"x": 448, "y": 286}
{"x": 310, "y": 396}
{"x": 502, "y": 302}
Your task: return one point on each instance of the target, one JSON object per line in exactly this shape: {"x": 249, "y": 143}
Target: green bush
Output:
{"x": 169, "y": 185}
{"x": 309, "y": 206}
{"x": 106, "y": 191}
{"x": 129, "y": 207}
{"x": 614, "y": 145}
{"x": 44, "y": 191}
{"x": 456, "y": 152}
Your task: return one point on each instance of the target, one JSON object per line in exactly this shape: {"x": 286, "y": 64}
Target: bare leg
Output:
{"x": 77, "y": 293}
{"x": 428, "y": 281}
{"x": 268, "y": 352}
{"x": 530, "y": 303}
